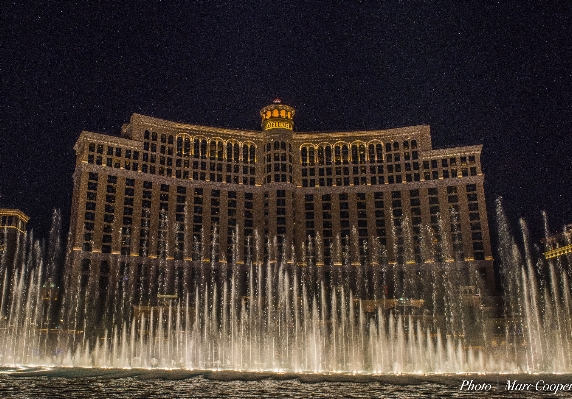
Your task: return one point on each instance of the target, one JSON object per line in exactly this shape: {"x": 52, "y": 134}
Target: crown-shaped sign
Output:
{"x": 277, "y": 116}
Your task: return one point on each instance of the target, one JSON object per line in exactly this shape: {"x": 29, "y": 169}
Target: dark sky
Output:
{"x": 496, "y": 74}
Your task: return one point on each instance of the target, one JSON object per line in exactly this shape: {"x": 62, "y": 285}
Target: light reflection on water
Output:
{"x": 134, "y": 383}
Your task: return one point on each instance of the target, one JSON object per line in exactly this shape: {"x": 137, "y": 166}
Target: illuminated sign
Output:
{"x": 278, "y": 125}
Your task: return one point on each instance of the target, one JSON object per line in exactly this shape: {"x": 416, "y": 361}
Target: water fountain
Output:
{"x": 285, "y": 317}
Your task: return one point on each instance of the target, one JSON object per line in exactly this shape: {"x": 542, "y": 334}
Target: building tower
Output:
{"x": 277, "y": 124}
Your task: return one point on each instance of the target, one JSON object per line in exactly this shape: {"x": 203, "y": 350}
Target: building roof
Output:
{"x": 14, "y": 212}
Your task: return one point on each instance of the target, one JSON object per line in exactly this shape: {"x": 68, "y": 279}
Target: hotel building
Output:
{"x": 559, "y": 245}
{"x": 12, "y": 245}
{"x": 12, "y": 237}
{"x": 165, "y": 200}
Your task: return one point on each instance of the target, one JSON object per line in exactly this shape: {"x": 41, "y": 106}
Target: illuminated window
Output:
{"x": 345, "y": 154}
{"x": 311, "y": 156}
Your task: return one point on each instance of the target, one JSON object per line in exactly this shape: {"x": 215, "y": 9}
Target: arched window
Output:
{"x": 187, "y": 146}
{"x": 179, "y": 146}
{"x": 245, "y": 153}
{"x": 236, "y": 152}
{"x": 337, "y": 154}
{"x": 379, "y": 152}
{"x": 354, "y": 153}
{"x": 220, "y": 151}
{"x": 320, "y": 155}
{"x": 203, "y": 149}
{"x": 311, "y": 156}
{"x": 304, "y": 154}
{"x": 229, "y": 152}
{"x": 276, "y": 145}
{"x": 345, "y": 153}
{"x": 371, "y": 151}
{"x": 361, "y": 153}
{"x": 328, "y": 155}
{"x": 252, "y": 153}
{"x": 196, "y": 147}
{"x": 212, "y": 152}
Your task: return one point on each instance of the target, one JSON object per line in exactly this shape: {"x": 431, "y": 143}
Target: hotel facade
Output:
{"x": 12, "y": 248}
{"x": 559, "y": 245}
{"x": 165, "y": 201}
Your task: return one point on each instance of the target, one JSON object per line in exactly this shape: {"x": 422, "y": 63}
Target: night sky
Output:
{"x": 498, "y": 75}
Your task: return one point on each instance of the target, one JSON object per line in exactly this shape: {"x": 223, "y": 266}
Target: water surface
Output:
{"x": 141, "y": 383}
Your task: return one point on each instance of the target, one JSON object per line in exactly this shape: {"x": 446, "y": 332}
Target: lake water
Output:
{"x": 139, "y": 383}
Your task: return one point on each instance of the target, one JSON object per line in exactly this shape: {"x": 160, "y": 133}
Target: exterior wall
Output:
{"x": 155, "y": 196}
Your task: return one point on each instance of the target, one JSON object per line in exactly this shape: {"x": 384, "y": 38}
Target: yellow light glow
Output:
{"x": 277, "y": 125}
